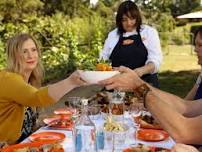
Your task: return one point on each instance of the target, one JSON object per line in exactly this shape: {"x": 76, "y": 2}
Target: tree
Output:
{"x": 15, "y": 9}
{"x": 179, "y": 7}
{"x": 71, "y": 8}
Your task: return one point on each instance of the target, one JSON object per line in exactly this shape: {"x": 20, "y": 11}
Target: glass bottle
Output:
{"x": 85, "y": 131}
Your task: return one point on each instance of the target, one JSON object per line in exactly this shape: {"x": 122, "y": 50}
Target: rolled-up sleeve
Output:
{"x": 154, "y": 49}
{"x": 15, "y": 89}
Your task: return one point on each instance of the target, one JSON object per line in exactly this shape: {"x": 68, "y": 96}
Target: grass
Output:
{"x": 179, "y": 69}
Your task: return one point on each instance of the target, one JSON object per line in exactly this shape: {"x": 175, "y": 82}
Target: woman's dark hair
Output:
{"x": 198, "y": 31}
{"x": 129, "y": 9}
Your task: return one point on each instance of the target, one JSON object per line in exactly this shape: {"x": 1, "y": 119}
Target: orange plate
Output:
{"x": 12, "y": 148}
{"x": 47, "y": 137}
{"x": 65, "y": 111}
{"x": 152, "y": 135}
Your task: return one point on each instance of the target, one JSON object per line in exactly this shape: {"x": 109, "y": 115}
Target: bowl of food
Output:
{"x": 93, "y": 77}
{"x": 100, "y": 71}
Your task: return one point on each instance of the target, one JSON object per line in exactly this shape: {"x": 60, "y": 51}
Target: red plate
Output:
{"x": 13, "y": 148}
{"x": 152, "y": 135}
{"x": 47, "y": 137}
{"x": 65, "y": 111}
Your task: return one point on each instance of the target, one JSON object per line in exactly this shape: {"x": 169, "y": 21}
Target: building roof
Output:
{"x": 191, "y": 15}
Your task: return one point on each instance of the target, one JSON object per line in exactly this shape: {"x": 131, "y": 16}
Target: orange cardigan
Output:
{"x": 15, "y": 95}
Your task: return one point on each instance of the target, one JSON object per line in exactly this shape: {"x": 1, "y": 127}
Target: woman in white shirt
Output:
{"x": 133, "y": 44}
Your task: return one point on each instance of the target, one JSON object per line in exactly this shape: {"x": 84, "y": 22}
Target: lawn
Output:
{"x": 179, "y": 69}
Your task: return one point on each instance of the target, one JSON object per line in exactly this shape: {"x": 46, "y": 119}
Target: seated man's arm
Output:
{"x": 183, "y": 129}
{"x": 185, "y": 107}
{"x": 193, "y": 108}
{"x": 172, "y": 100}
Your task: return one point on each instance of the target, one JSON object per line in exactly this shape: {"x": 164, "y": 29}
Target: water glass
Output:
{"x": 94, "y": 111}
{"x": 74, "y": 103}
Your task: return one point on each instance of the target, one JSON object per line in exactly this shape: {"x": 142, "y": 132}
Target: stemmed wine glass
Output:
{"x": 75, "y": 104}
{"x": 135, "y": 113}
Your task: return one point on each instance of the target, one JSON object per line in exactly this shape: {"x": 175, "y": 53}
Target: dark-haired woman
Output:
{"x": 133, "y": 44}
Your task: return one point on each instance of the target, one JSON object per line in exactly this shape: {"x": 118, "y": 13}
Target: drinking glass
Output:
{"x": 75, "y": 104}
{"x": 94, "y": 111}
{"x": 117, "y": 106}
{"x": 135, "y": 112}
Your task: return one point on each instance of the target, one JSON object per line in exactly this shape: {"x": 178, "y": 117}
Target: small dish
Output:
{"x": 152, "y": 135}
{"x": 47, "y": 137}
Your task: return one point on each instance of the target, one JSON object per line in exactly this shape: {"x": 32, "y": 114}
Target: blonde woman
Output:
{"x": 21, "y": 88}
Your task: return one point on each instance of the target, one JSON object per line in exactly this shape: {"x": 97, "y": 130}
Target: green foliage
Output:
{"x": 184, "y": 6}
{"x": 15, "y": 9}
{"x": 72, "y": 32}
{"x": 60, "y": 38}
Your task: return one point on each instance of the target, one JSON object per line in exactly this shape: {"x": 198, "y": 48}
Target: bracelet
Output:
{"x": 141, "y": 92}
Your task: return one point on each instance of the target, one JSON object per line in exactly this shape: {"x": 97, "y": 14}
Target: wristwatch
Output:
{"x": 142, "y": 91}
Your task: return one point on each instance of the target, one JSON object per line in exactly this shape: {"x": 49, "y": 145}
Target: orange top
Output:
{"x": 15, "y": 95}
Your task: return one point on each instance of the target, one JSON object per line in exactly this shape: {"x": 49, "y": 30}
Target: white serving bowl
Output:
{"x": 93, "y": 77}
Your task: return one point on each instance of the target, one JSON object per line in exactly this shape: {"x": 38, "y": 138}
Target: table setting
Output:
{"x": 103, "y": 122}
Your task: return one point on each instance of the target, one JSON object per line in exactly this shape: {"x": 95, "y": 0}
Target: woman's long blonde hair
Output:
{"x": 13, "y": 50}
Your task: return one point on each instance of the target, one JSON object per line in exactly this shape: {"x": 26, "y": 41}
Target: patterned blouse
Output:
{"x": 28, "y": 123}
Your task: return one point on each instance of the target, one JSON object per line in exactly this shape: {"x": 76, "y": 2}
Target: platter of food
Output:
{"x": 147, "y": 122}
{"x": 34, "y": 147}
{"x": 59, "y": 122}
{"x": 145, "y": 148}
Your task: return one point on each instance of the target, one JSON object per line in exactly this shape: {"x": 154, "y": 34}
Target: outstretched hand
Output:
{"x": 76, "y": 80}
{"x": 127, "y": 80}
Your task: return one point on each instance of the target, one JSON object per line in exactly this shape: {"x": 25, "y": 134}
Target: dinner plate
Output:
{"x": 152, "y": 135}
{"x": 47, "y": 137}
{"x": 13, "y": 148}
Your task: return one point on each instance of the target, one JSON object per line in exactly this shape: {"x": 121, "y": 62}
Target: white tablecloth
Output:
{"x": 68, "y": 143}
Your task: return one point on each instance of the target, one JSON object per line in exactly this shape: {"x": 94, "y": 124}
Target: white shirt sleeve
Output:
{"x": 105, "y": 52}
{"x": 152, "y": 43}
{"x": 109, "y": 45}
